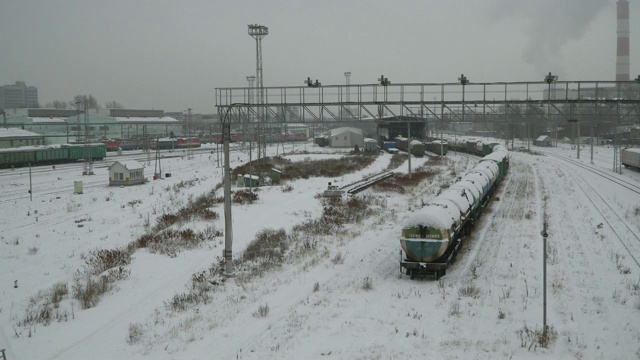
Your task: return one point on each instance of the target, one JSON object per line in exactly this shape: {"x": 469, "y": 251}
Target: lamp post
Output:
{"x": 549, "y": 78}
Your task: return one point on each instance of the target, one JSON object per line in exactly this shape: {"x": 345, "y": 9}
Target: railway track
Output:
{"x": 602, "y": 173}
{"x": 627, "y": 236}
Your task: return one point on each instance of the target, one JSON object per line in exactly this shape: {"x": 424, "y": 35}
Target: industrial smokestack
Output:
{"x": 622, "y": 59}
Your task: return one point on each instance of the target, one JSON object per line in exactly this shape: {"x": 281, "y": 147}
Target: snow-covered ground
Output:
{"x": 345, "y": 298}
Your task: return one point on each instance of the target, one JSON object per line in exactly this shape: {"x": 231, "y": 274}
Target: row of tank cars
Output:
{"x": 49, "y": 154}
{"x": 432, "y": 235}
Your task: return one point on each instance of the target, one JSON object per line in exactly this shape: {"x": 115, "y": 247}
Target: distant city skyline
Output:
{"x": 172, "y": 55}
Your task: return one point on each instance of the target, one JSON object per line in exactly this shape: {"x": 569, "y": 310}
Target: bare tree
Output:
{"x": 91, "y": 102}
{"x": 56, "y": 104}
{"x": 113, "y": 105}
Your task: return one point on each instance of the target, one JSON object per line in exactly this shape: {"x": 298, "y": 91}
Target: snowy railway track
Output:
{"x": 488, "y": 238}
{"x": 604, "y": 174}
{"x": 616, "y": 223}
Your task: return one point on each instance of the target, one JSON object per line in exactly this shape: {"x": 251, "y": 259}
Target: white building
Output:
{"x": 129, "y": 172}
{"x": 347, "y": 137}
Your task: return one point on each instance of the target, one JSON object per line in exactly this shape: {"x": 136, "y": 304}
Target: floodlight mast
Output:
{"x": 463, "y": 81}
{"x": 258, "y": 32}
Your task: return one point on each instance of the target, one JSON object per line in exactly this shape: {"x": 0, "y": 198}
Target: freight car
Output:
{"x": 630, "y": 158}
{"x": 437, "y": 147}
{"x": 432, "y": 236}
{"x": 164, "y": 144}
{"x": 472, "y": 146}
{"x": 49, "y": 155}
{"x": 417, "y": 147}
{"x": 77, "y": 151}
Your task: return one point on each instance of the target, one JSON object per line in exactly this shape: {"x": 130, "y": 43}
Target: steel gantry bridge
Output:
{"x": 616, "y": 102}
{"x": 503, "y": 109}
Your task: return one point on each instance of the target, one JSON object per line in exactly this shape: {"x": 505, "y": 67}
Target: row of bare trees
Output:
{"x": 90, "y": 101}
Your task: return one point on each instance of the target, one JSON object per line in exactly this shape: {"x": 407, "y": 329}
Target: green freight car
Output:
{"x": 17, "y": 157}
{"x": 76, "y": 151}
{"x": 51, "y": 155}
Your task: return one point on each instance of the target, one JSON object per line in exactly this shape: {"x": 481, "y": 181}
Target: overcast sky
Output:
{"x": 171, "y": 55}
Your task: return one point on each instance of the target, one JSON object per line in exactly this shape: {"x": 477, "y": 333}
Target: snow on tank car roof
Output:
{"x": 486, "y": 172}
{"x": 457, "y": 197}
{"x": 468, "y": 186}
{"x": 475, "y": 183}
{"x": 489, "y": 165}
{"x": 480, "y": 174}
{"x": 633, "y": 150}
{"x": 434, "y": 215}
{"x": 495, "y": 156}
{"x": 479, "y": 178}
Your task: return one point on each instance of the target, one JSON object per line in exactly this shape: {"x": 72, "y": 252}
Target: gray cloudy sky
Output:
{"x": 171, "y": 55}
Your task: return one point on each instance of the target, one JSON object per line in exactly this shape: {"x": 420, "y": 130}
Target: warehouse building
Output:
{"x": 14, "y": 137}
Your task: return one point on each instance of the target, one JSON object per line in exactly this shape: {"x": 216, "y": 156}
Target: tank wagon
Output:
{"x": 432, "y": 236}
{"x": 630, "y": 158}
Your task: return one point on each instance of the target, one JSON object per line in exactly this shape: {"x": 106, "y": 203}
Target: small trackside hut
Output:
{"x": 129, "y": 172}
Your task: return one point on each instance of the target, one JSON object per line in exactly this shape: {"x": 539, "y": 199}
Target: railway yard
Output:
{"x": 344, "y": 286}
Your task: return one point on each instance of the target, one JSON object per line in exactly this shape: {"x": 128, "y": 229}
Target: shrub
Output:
{"x": 531, "y": 339}
{"x": 102, "y": 260}
{"x": 269, "y": 245}
{"x": 469, "y": 290}
{"x": 89, "y": 290}
{"x": 244, "y": 196}
{"x": 337, "y": 259}
{"x": 367, "y": 284}
{"x": 135, "y": 333}
{"x": 183, "y": 301}
{"x": 263, "y": 311}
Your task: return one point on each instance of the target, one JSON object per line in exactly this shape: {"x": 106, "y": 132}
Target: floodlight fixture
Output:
{"x": 549, "y": 78}
{"x": 258, "y": 31}
{"x": 463, "y": 79}
{"x": 384, "y": 81}
{"x": 310, "y": 83}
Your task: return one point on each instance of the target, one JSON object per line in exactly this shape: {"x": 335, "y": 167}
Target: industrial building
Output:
{"x": 66, "y": 126}
{"x": 14, "y": 137}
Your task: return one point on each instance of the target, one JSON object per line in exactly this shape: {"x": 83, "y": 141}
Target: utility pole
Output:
{"x": 228, "y": 223}
{"x": 189, "y": 142}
